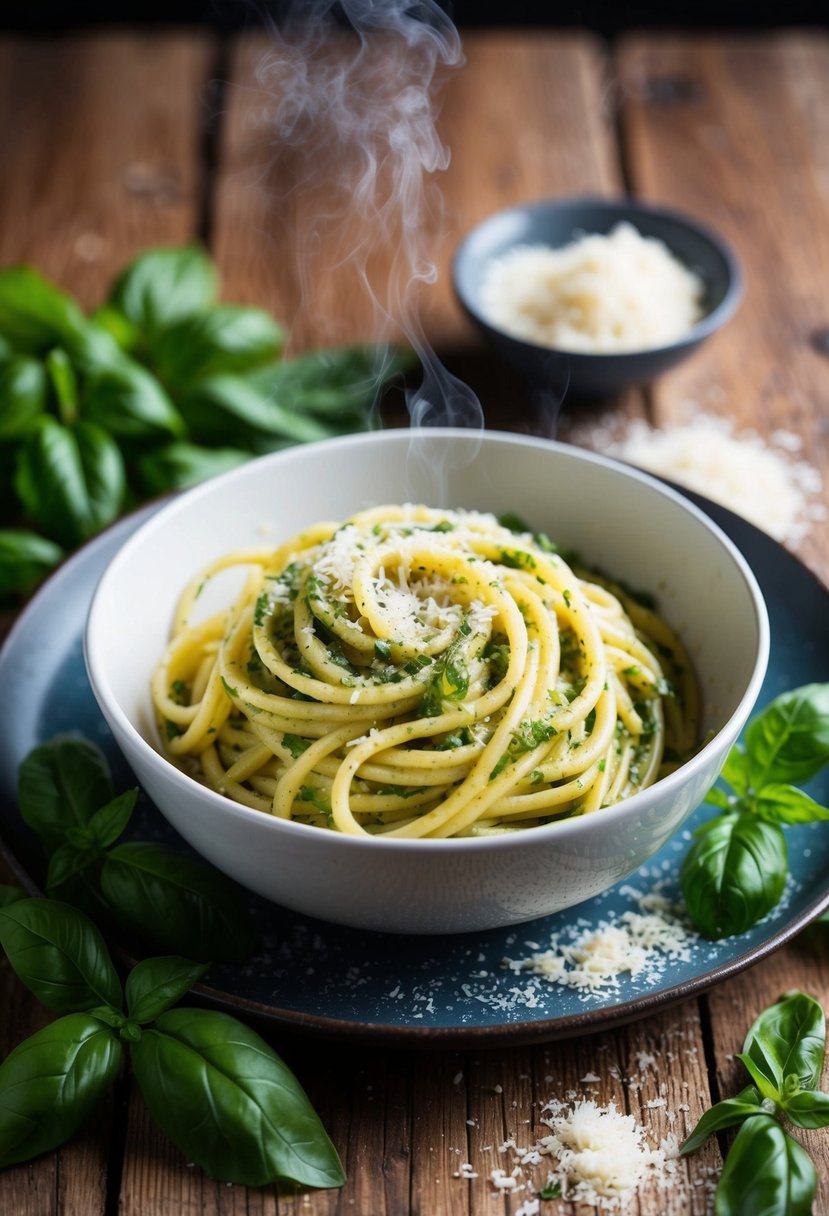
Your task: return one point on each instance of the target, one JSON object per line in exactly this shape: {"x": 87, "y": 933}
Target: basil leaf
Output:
{"x": 761, "y": 1070}
{"x": 339, "y": 385}
{"x": 733, "y": 874}
{"x": 10, "y": 894}
{"x": 226, "y": 409}
{"x": 766, "y": 1173}
{"x": 723, "y": 1114}
{"x": 228, "y": 338}
{"x": 130, "y": 404}
{"x": 177, "y": 465}
{"x": 61, "y": 784}
{"x": 230, "y": 1104}
{"x": 93, "y": 348}
{"x": 787, "y": 804}
{"x": 789, "y": 1038}
{"x": 736, "y": 770}
{"x": 59, "y": 955}
{"x": 64, "y": 384}
{"x": 81, "y": 891}
{"x": 25, "y": 558}
{"x": 809, "y": 1108}
{"x": 163, "y": 286}
{"x": 789, "y": 741}
{"x": 178, "y": 902}
{"x": 107, "y": 824}
{"x": 117, "y": 326}
{"x": 717, "y": 797}
{"x": 51, "y": 1083}
{"x": 23, "y": 390}
{"x": 157, "y": 983}
{"x": 67, "y": 862}
{"x": 34, "y": 314}
{"x": 71, "y": 481}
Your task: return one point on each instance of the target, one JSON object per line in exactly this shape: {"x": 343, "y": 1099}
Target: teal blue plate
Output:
{"x": 448, "y": 991}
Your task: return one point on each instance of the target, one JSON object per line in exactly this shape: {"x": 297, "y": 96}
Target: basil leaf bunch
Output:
{"x": 767, "y": 1172}
{"x": 162, "y": 387}
{"x": 174, "y": 901}
{"x": 736, "y": 870}
{"x": 221, "y": 1094}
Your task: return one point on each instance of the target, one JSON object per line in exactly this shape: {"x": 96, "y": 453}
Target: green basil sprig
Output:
{"x": 161, "y": 387}
{"x": 35, "y": 315}
{"x": 160, "y": 895}
{"x": 736, "y": 870}
{"x": 25, "y": 558}
{"x": 70, "y": 480}
{"x": 23, "y": 392}
{"x": 161, "y": 288}
{"x": 767, "y": 1172}
{"x": 221, "y": 1094}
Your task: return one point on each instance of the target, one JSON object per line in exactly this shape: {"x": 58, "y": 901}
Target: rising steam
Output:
{"x": 353, "y": 87}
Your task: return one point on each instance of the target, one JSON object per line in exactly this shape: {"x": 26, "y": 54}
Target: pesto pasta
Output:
{"x": 417, "y": 673}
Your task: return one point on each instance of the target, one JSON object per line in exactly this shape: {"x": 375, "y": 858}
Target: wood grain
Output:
{"x": 102, "y": 144}
{"x": 734, "y": 131}
{"x": 102, "y": 153}
{"x": 279, "y": 212}
{"x": 101, "y": 139}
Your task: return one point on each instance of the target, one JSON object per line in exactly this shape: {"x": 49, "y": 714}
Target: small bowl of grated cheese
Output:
{"x": 593, "y": 295}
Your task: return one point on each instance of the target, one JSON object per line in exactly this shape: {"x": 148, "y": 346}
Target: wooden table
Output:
{"x": 114, "y": 142}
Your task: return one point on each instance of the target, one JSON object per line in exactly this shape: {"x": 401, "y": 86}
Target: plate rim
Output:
{"x": 594, "y": 1019}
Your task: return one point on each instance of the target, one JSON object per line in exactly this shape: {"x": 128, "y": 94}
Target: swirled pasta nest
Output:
{"x": 415, "y": 672}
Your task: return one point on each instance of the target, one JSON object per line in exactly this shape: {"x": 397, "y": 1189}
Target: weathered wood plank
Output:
{"x": 101, "y": 147}
{"x": 551, "y": 137}
{"x": 101, "y": 154}
{"x": 539, "y": 98}
{"x": 385, "y": 1110}
{"x": 734, "y": 131}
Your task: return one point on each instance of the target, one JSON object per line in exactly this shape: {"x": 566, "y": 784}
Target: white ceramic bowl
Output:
{"x": 619, "y": 520}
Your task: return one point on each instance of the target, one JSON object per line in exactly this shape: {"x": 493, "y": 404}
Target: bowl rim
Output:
{"x": 629, "y": 808}
{"x": 701, "y": 329}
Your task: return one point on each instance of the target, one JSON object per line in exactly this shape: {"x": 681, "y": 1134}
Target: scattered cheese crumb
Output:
{"x": 594, "y": 959}
{"x": 762, "y": 481}
{"x": 503, "y": 1181}
{"x": 466, "y": 1170}
{"x": 597, "y": 1156}
{"x": 530, "y": 1207}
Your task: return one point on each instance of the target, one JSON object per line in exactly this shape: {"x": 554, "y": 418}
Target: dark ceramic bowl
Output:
{"x": 560, "y": 221}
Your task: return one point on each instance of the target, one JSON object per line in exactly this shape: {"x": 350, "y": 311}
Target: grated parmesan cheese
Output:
{"x": 601, "y": 293}
{"x": 601, "y": 1153}
{"x": 596, "y": 1154}
{"x": 414, "y": 606}
{"x": 592, "y": 961}
{"x": 762, "y": 481}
